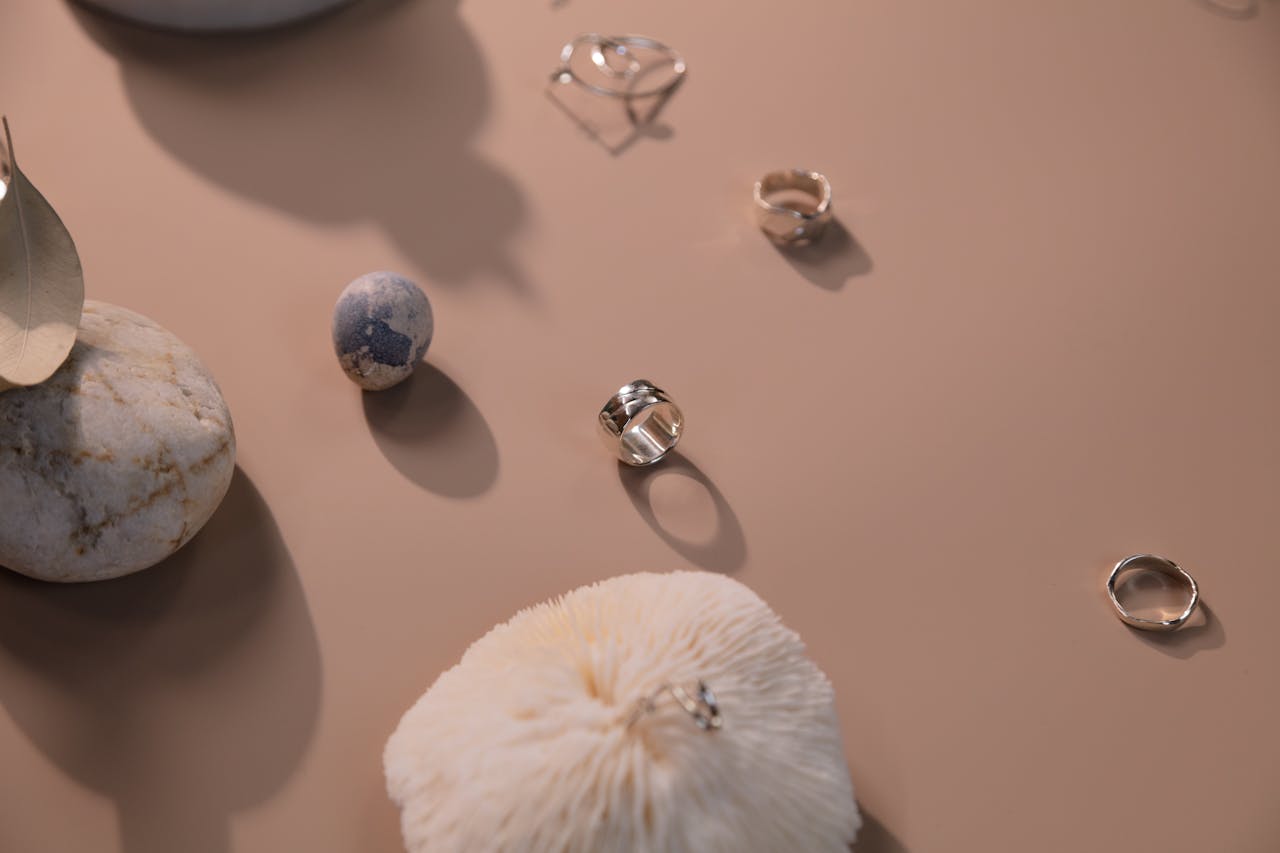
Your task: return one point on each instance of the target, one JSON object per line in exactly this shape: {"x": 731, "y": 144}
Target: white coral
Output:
{"x": 524, "y": 745}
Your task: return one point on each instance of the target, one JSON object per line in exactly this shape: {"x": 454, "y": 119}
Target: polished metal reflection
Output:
{"x": 1150, "y": 562}
{"x": 615, "y": 60}
{"x": 5, "y": 177}
{"x": 789, "y": 221}
{"x": 640, "y": 424}
{"x": 700, "y": 704}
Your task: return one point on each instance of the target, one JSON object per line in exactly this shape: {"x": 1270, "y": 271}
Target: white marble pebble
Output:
{"x": 117, "y": 460}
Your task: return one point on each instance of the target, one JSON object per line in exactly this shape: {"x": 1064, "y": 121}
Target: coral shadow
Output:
{"x": 874, "y": 837}
{"x": 724, "y": 551}
{"x": 432, "y": 432}
{"x": 185, "y": 693}
{"x": 366, "y": 114}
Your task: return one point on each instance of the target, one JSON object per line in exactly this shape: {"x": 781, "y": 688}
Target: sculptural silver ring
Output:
{"x": 1150, "y": 562}
{"x": 640, "y": 424}
{"x": 793, "y": 206}
{"x": 613, "y": 59}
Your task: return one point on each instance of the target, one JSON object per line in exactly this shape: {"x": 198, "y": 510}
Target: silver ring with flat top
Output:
{"x": 640, "y": 424}
{"x": 793, "y": 206}
{"x": 1150, "y": 562}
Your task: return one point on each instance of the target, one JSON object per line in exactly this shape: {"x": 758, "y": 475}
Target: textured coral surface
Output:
{"x": 525, "y": 745}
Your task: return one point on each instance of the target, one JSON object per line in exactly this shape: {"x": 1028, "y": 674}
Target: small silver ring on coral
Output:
{"x": 1169, "y": 568}
{"x": 640, "y": 424}
{"x": 701, "y": 704}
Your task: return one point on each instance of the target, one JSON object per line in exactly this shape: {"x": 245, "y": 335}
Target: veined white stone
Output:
{"x": 117, "y": 460}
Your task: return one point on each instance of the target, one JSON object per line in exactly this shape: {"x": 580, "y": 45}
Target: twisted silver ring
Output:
{"x": 1151, "y": 562}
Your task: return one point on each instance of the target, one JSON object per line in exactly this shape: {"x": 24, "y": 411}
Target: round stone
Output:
{"x": 117, "y": 460}
{"x": 215, "y": 15}
{"x": 382, "y": 326}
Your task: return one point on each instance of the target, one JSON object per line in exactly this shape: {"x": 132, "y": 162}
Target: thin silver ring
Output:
{"x": 700, "y": 704}
{"x": 786, "y": 223}
{"x": 640, "y": 424}
{"x": 621, "y": 45}
{"x": 1164, "y": 566}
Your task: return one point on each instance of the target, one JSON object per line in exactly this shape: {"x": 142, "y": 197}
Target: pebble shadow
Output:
{"x": 433, "y": 433}
{"x": 185, "y": 693}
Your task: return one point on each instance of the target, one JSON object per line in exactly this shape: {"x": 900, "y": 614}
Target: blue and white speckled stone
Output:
{"x": 382, "y": 326}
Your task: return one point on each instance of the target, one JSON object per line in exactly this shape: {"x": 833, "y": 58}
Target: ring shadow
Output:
{"x": 185, "y": 693}
{"x": 874, "y": 837}
{"x": 613, "y": 124}
{"x": 725, "y": 551}
{"x": 364, "y": 114}
{"x": 432, "y": 432}
{"x": 1202, "y": 632}
{"x": 831, "y": 261}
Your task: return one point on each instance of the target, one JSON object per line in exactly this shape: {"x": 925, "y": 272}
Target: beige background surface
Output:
{"x": 1050, "y": 341}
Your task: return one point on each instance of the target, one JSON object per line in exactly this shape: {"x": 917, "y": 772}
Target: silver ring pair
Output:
{"x": 793, "y": 206}
{"x": 618, "y": 70}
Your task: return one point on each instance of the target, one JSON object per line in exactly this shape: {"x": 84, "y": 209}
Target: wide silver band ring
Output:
{"x": 620, "y": 48}
{"x": 787, "y": 220}
{"x": 1150, "y": 562}
{"x": 640, "y": 424}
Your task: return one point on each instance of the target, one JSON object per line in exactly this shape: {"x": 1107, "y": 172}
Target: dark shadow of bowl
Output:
{"x": 185, "y": 693}
{"x": 365, "y": 114}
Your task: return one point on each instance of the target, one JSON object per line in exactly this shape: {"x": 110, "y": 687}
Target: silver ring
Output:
{"x": 602, "y": 47}
{"x": 793, "y": 206}
{"x": 1166, "y": 567}
{"x": 701, "y": 704}
{"x": 640, "y": 424}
